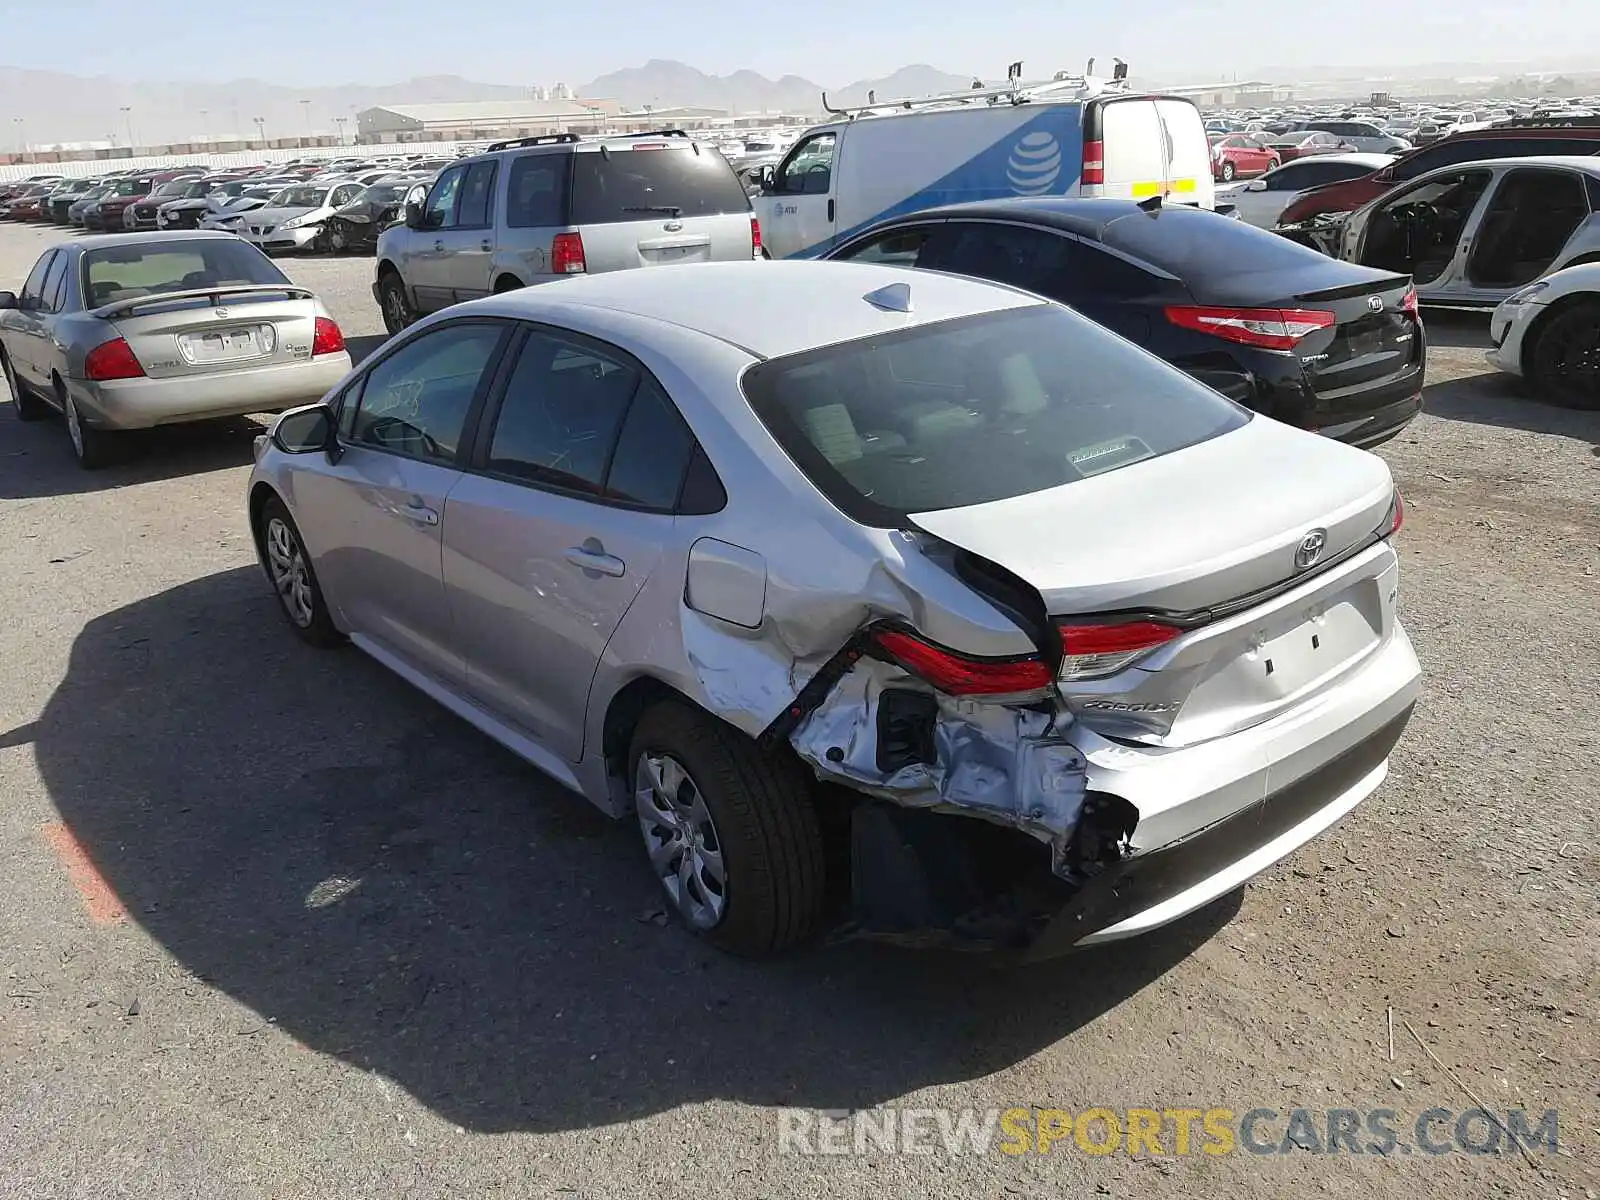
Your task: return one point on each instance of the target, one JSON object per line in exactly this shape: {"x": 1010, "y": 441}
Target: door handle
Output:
{"x": 596, "y": 560}
{"x": 830, "y": 208}
{"x": 416, "y": 511}
{"x": 439, "y": 244}
{"x": 486, "y": 245}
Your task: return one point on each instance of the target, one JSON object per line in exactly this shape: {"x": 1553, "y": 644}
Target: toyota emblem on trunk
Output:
{"x": 1310, "y": 548}
{"x": 674, "y": 225}
{"x": 1375, "y": 303}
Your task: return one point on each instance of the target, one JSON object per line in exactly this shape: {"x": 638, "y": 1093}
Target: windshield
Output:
{"x": 130, "y": 187}
{"x": 151, "y": 268}
{"x": 978, "y": 409}
{"x": 299, "y": 197}
{"x": 176, "y": 188}
{"x": 640, "y": 185}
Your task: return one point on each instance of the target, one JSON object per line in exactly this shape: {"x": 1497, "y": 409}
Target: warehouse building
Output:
{"x": 474, "y": 120}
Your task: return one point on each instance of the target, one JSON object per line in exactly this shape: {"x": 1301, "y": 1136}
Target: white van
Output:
{"x": 1081, "y": 137}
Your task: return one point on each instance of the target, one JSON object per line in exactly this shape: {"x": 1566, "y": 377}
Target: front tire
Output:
{"x": 731, "y": 831}
{"x": 1563, "y": 362}
{"x": 27, "y": 406}
{"x": 397, "y": 310}
{"x": 288, "y": 566}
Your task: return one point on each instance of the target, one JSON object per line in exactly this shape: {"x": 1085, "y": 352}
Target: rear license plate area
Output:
{"x": 228, "y": 345}
{"x": 1367, "y": 342}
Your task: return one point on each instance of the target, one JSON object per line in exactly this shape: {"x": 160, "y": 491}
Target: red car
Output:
{"x": 1241, "y": 155}
{"x": 1516, "y": 139}
{"x": 1290, "y": 146}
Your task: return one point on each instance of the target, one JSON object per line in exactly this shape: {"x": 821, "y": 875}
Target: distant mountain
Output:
{"x": 663, "y": 83}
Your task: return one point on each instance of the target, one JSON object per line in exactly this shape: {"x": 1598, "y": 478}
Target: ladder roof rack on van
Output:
{"x": 547, "y": 139}
{"x": 1009, "y": 93}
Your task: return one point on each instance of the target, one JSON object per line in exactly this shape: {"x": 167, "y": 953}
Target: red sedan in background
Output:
{"x": 1241, "y": 155}
{"x": 1290, "y": 146}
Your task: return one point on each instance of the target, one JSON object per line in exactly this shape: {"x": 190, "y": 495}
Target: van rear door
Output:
{"x": 1150, "y": 146}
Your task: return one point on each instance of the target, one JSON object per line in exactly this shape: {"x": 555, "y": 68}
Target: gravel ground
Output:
{"x": 367, "y": 953}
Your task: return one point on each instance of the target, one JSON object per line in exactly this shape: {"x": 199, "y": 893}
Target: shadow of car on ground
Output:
{"x": 327, "y": 846}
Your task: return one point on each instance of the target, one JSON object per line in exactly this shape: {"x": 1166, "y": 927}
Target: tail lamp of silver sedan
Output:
{"x": 857, "y": 645}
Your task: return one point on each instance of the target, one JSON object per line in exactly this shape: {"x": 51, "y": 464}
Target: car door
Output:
{"x": 560, "y": 522}
{"x": 29, "y": 322}
{"x": 426, "y": 266}
{"x": 468, "y": 238}
{"x": 797, "y": 212}
{"x": 1261, "y": 201}
{"x": 374, "y": 515}
{"x": 1423, "y": 230}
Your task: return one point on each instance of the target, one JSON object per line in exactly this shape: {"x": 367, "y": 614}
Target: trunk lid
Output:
{"x": 1375, "y": 340}
{"x": 188, "y": 334}
{"x": 1207, "y": 539}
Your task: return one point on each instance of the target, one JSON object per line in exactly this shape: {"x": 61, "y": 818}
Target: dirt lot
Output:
{"x": 273, "y": 925}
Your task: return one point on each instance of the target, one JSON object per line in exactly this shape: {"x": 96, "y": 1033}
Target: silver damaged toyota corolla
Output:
{"x": 901, "y": 605}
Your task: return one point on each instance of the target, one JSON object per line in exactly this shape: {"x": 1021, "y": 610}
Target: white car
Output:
{"x": 294, "y": 218}
{"x": 1549, "y": 334}
{"x": 1261, "y": 201}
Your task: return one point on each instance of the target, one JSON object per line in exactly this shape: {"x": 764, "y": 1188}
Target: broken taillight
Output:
{"x": 1093, "y": 650}
{"x": 1396, "y": 517}
{"x": 958, "y": 674}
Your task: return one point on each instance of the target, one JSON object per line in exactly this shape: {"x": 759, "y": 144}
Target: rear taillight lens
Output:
{"x": 112, "y": 360}
{"x": 1094, "y": 162}
{"x": 327, "y": 338}
{"x": 960, "y": 674}
{"x": 1094, "y": 650}
{"x": 1396, "y": 516}
{"x": 1409, "y": 302}
{"x": 755, "y": 237}
{"x": 566, "y": 254}
{"x": 1267, "y": 328}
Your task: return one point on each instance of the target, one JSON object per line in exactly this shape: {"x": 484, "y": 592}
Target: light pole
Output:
{"x": 338, "y": 123}
{"x": 305, "y": 106}
{"x": 22, "y": 134}
{"x": 127, "y": 115}
{"x": 261, "y": 130}
{"x": 205, "y": 125}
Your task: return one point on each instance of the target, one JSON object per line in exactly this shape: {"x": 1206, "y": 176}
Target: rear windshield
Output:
{"x": 638, "y": 185}
{"x": 977, "y": 409}
{"x": 150, "y": 268}
{"x": 1195, "y": 245}
{"x": 385, "y": 193}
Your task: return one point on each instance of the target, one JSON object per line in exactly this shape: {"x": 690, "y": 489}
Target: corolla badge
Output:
{"x": 1310, "y": 549}
{"x": 1035, "y": 163}
{"x": 1375, "y": 303}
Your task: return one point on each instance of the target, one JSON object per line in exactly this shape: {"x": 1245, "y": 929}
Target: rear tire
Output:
{"x": 1563, "y": 363}
{"x": 1228, "y": 172}
{"x": 397, "y": 311}
{"x": 93, "y": 448}
{"x": 759, "y": 817}
{"x": 27, "y": 406}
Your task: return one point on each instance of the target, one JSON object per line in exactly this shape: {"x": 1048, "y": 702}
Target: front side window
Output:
{"x": 897, "y": 248}
{"x": 808, "y": 171}
{"x": 978, "y": 409}
{"x": 50, "y": 299}
{"x": 441, "y": 208}
{"x": 33, "y": 286}
{"x": 415, "y": 402}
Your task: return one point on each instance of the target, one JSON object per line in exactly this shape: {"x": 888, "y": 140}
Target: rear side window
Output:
{"x": 1451, "y": 152}
{"x": 537, "y": 191}
{"x": 1196, "y": 244}
{"x": 977, "y": 409}
{"x": 1025, "y": 258}
{"x": 477, "y": 195}
{"x": 642, "y": 185}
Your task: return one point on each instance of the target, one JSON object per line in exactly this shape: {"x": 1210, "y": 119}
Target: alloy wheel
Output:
{"x": 681, "y": 839}
{"x": 286, "y": 563}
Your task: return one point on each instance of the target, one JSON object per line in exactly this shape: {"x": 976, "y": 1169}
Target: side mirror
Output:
{"x": 1256, "y": 185}
{"x": 8, "y": 300}
{"x": 1385, "y": 176}
{"x": 413, "y": 215}
{"x": 768, "y": 177}
{"x": 304, "y": 430}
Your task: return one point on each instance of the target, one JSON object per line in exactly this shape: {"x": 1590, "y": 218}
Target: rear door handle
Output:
{"x": 596, "y": 560}
{"x": 439, "y": 245}
{"x": 486, "y": 245}
{"x": 420, "y": 513}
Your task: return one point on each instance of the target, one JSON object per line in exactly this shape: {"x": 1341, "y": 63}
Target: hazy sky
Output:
{"x": 308, "y": 42}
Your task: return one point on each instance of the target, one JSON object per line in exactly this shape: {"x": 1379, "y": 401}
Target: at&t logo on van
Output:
{"x": 1035, "y": 163}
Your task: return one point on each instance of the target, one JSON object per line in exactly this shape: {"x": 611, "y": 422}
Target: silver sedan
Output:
{"x": 895, "y": 601}
{"x": 128, "y": 332}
